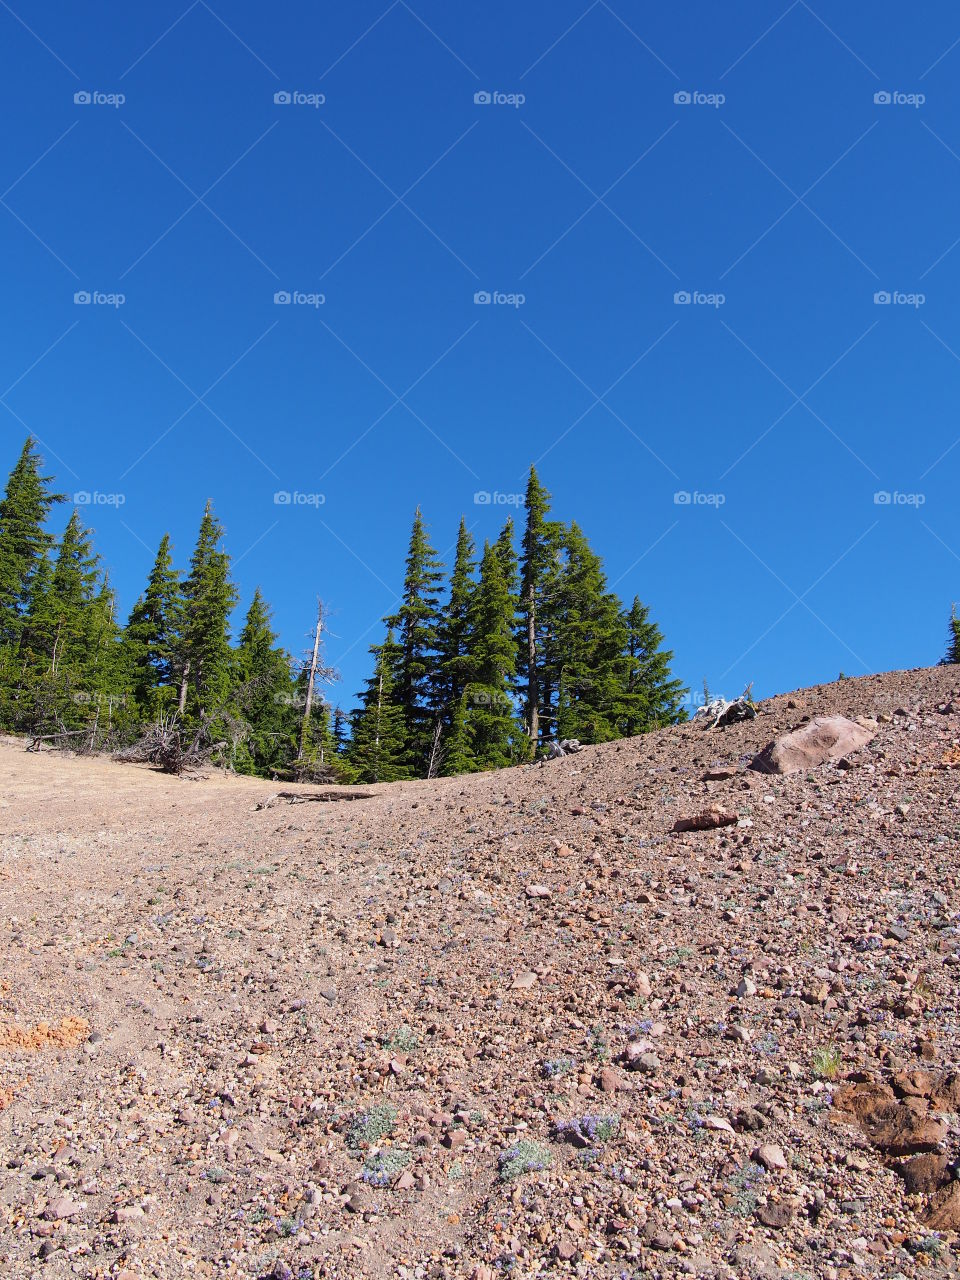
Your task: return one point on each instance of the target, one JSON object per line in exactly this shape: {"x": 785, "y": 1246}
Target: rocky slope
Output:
{"x": 506, "y": 1025}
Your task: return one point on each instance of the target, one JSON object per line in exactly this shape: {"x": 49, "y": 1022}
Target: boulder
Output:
{"x": 823, "y": 738}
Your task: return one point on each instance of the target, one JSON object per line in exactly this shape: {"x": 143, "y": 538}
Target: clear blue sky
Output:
{"x": 781, "y": 185}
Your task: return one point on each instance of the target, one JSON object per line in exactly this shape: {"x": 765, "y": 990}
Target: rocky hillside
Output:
{"x": 514, "y": 1024}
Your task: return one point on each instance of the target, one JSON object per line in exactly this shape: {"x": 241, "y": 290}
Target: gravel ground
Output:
{"x": 504, "y": 1025}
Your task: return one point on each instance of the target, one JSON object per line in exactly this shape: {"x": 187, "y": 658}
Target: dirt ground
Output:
{"x": 504, "y": 1025}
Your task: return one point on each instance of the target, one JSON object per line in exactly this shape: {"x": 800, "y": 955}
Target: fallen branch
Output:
{"x": 302, "y": 797}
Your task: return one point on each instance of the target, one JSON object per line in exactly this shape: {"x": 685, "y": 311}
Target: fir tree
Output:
{"x": 378, "y": 747}
{"x": 452, "y": 638}
{"x": 538, "y": 550}
{"x": 591, "y": 639}
{"x": 263, "y": 696}
{"x": 953, "y": 638}
{"x": 491, "y": 724}
{"x": 153, "y": 633}
{"x": 24, "y": 508}
{"x": 205, "y": 656}
{"x": 651, "y": 698}
{"x": 417, "y": 622}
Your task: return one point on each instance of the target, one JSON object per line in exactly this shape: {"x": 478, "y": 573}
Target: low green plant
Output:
{"x": 826, "y": 1062}
{"x": 371, "y": 1126}
{"x": 525, "y": 1156}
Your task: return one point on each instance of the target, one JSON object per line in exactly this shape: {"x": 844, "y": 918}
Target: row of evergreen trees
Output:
{"x": 520, "y": 649}
{"x": 524, "y": 646}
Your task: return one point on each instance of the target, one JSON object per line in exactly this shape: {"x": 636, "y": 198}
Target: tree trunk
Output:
{"x": 311, "y": 680}
{"x": 533, "y": 693}
{"x": 182, "y": 701}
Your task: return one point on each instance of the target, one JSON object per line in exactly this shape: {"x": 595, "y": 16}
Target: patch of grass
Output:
{"x": 826, "y": 1062}
{"x": 525, "y": 1156}
{"x": 371, "y": 1126}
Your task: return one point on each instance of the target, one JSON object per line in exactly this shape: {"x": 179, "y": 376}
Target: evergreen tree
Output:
{"x": 24, "y": 508}
{"x": 378, "y": 747}
{"x": 591, "y": 640}
{"x": 538, "y": 552}
{"x": 205, "y": 658}
{"x": 57, "y": 633}
{"x": 452, "y": 638}
{"x": 108, "y": 676}
{"x": 153, "y": 633}
{"x": 263, "y": 696}
{"x": 491, "y": 723}
{"x": 651, "y": 698}
{"x": 953, "y": 638}
{"x": 417, "y": 622}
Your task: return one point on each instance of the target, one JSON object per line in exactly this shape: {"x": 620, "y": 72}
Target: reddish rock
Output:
{"x": 706, "y": 820}
{"x": 823, "y": 738}
{"x": 943, "y": 1213}
{"x": 924, "y": 1173}
{"x": 946, "y": 1096}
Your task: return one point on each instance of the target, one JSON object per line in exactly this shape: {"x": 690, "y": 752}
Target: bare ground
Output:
{"x": 221, "y": 1027}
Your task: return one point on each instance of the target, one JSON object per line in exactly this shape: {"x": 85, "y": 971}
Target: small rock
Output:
{"x": 770, "y": 1156}
{"x": 62, "y": 1207}
{"x": 777, "y": 1214}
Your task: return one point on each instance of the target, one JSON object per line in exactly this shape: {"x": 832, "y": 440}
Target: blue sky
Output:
{"x": 588, "y": 165}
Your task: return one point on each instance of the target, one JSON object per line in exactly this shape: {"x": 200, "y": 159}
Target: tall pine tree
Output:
{"x": 205, "y": 656}
{"x": 378, "y": 748}
{"x": 153, "y": 632}
{"x": 417, "y": 623}
{"x": 651, "y": 697}
{"x": 24, "y": 508}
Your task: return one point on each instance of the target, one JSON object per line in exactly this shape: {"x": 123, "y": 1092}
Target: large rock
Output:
{"x": 824, "y": 738}
{"x": 944, "y": 1211}
{"x": 925, "y": 1173}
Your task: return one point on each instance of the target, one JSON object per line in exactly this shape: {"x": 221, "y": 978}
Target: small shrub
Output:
{"x": 380, "y": 1170}
{"x": 403, "y": 1040}
{"x": 371, "y": 1126}
{"x": 525, "y": 1156}
{"x": 554, "y": 1068}
{"x": 587, "y": 1131}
